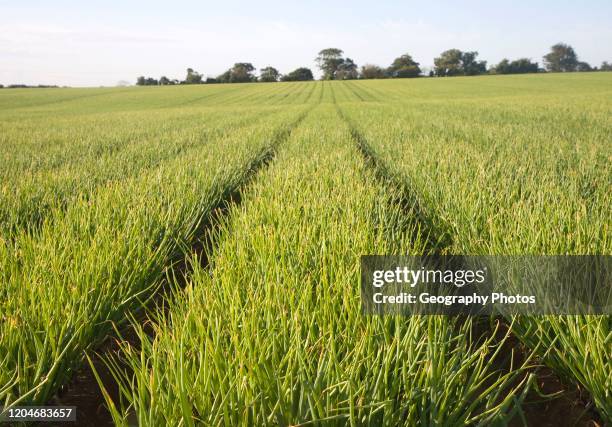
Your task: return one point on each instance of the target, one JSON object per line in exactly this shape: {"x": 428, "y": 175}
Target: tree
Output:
{"x": 146, "y": 81}
{"x": 165, "y": 81}
{"x": 448, "y": 63}
{"x": 371, "y": 71}
{"x": 502, "y": 68}
{"x": 300, "y": 74}
{"x": 347, "y": 70}
{"x": 519, "y": 66}
{"x": 524, "y": 65}
{"x": 453, "y": 62}
{"x": 470, "y": 66}
{"x": 605, "y": 66}
{"x": 561, "y": 58}
{"x": 329, "y": 60}
{"x": 404, "y": 66}
{"x": 193, "y": 77}
{"x": 242, "y": 72}
{"x": 269, "y": 74}
{"x": 583, "y": 66}
{"x": 225, "y": 77}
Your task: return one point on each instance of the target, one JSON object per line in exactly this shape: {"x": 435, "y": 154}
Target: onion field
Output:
{"x": 195, "y": 250}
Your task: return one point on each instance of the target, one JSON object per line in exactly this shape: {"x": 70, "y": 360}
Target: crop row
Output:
{"x": 102, "y": 257}
{"x": 271, "y": 332}
{"x": 29, "y": 193}
{"x": 512, "y": 179}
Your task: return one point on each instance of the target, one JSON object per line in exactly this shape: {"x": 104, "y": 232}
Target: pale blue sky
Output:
{"x": 87, "y": 43}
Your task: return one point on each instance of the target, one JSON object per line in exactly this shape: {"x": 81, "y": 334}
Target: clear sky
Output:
{"x": 93, "y": 43}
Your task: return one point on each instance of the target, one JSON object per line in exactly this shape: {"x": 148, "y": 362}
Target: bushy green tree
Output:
{"x": 524, "y": 65}
{"x": 371, "y": 71}
{"x": 224, "y": 77}
{"x": 268, "y": 74}
{"x": 519, "y": 66}
{"x": 242, "y": 72}
{"x": 605, "y": 66}
{"x": 561, "y": 58}
{"x": 300, "y": 74}
{"x": 329, "y": 60}
{"x": 583, "y": 66}
{"x": 454, "y": 62}
{"x": 165, "y": 81}
{"x": 470, "y": 66}
{"x": 448, "y": 63}
{"x": 146, "y": 81}
{"x": 193, "y": 77}
{"x": 404, "y": 66}
{"x": 347, "y": 70}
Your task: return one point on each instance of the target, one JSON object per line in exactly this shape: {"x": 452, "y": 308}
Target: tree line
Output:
{"x": 335, "y": 66}
{"x": 22, "y": 86}
{"x": 240, "y": 72}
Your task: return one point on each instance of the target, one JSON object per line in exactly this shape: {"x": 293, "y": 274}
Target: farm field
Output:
{"x": 215, "y": 231}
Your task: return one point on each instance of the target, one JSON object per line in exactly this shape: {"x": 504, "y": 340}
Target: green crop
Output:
{"x": 108, "y": 195}
{"x": 92, "y": 262}
{"x": 519, "y": 174}
{"x": 272, "y": 332}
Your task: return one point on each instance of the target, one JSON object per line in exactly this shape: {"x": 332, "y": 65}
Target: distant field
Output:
{"x": 224, "y": 223}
